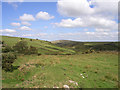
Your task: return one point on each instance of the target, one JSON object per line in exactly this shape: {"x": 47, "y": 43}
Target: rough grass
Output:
{"x": 44, "y": 47}
{"x": 100, "y": 70}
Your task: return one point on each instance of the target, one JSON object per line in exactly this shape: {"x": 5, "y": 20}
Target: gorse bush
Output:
{"x": 7, "y": 49}
{"x": 7, "y": 61}
{"x": 33, "y": 50}
{"x": 21, "y": 47}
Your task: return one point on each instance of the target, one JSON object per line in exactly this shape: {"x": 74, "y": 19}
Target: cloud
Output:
{"x": 101, "y": 30}
{"x": 26, "y": 23}
{"x": 41, "y": 34}
{"x": 44, "y": 16}
{"x": 7, "y": 31}
{"x": 27, "y": 17}
{"x": 25, "y": 28}
{"x": 74, "y": 8}
{"x": 34, "y": 35}
{"x": 90, "y": 22}
{"x": 27, "y": 35}
{"x": 79, "y": 8}
{"x": 105, "y": 7}
{"x": 14, "y": 3}
{"x": 15, "y": 24}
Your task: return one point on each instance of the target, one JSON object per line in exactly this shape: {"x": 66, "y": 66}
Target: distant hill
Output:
{"x": 44, "y": 47}
{"x": 67, "y": 43}
{"x": 83, "y": 46}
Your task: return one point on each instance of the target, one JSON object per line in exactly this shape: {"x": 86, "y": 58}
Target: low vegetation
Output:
{"x": 33, "y": 63}
{"x": 96, "y": 70}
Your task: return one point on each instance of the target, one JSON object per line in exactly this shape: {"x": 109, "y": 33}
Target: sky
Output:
{"x": 77, "y": 20}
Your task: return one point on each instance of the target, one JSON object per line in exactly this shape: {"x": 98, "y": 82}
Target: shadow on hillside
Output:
{"x": 12, "y": 68}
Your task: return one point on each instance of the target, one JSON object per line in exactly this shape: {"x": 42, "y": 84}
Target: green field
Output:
{"x": 100, "y": 71}
{"x": 44, "y": 47}
{"x": 77, "y": 70}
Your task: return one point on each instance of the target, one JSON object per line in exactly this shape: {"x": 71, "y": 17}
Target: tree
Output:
{"x": 7, "y": 61}
{"x": 21, "y": 47}
{"x": 33, "y": 50}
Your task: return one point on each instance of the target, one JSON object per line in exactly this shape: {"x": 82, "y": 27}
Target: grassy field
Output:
{"x": 44, "y": 47}
{"x": 96, "y": 70}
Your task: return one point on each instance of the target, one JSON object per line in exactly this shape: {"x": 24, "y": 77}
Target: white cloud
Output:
{"x": 26, "y": 23}
{"x": 15, "y": 24}
{"x": 34, "y": 35}
{"x": 27, "y": 35}
{"x": 83, "y": 36}
{"x": 101, "y": 30}
{"x": 97, "y": 14}
{"x": 90, "y": 22}
{"x": 79, "y": 8}
{"x": 13, "y": 1}
{"x": 44, "y": 16}
{"x": 91, "y": 33}
{"x": 27, "y": 17}
{"x": 7, "y": 31}
{"x": 25, "y": 28}
{"x": 41, "y": 34}
{"x": 15, "y": 5}
{"x": 106, "y": 7}
{"x": 74, "y": 8}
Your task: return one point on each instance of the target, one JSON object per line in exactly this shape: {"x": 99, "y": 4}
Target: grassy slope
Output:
{"x": 44, "y": 47}
{"x": 83, "y": 46}
{"x": 49, "y": 71}
{"x": 55, "y": 70}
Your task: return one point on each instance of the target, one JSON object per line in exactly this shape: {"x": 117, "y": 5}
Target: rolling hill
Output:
{"x": 44, "y": 47}
{"x": 83, "y": 46}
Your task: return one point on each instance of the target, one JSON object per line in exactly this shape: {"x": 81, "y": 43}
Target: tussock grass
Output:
{"x": 99, "y": 70}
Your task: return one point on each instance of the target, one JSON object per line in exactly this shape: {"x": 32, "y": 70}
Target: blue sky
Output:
{"x": 59, "y": 20}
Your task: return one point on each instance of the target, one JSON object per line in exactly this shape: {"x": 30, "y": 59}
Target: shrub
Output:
{"x": 30, "y": 39}
{"x": 2, "y": 42}
{"x": 7, "y": 49}
{"x": 7, "y": 60}
{"x": 39, "y": 54}
{"x": 21, "y": 47}
{"x": 21, "y": 38}
{"x": 33, "y": 50}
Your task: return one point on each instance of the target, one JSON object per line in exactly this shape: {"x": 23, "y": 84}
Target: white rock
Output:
{"x": 76, "y": 83}
{"x": 83, "y": 77}
{"x": 71, "y": 81}
{"x": 55, "y": 87}
{"x": 65, "y": 86}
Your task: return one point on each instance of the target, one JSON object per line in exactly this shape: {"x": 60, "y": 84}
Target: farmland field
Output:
{"x": 95, "y": 70}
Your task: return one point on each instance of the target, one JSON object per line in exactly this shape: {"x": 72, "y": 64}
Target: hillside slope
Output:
{"x": 83, "y": 46}
{"x": 44, "y": 47}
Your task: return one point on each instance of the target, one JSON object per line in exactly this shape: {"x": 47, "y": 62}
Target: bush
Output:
{"x": 30, "y": 39}
{"x": 2, "y": 42}
{"x": 33, "y": 50}
{"x": 39, "y": 54}
{"x": 21, "y": 47}
{"x": 7, "y": 49}
{"x": 7, "y": 61}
